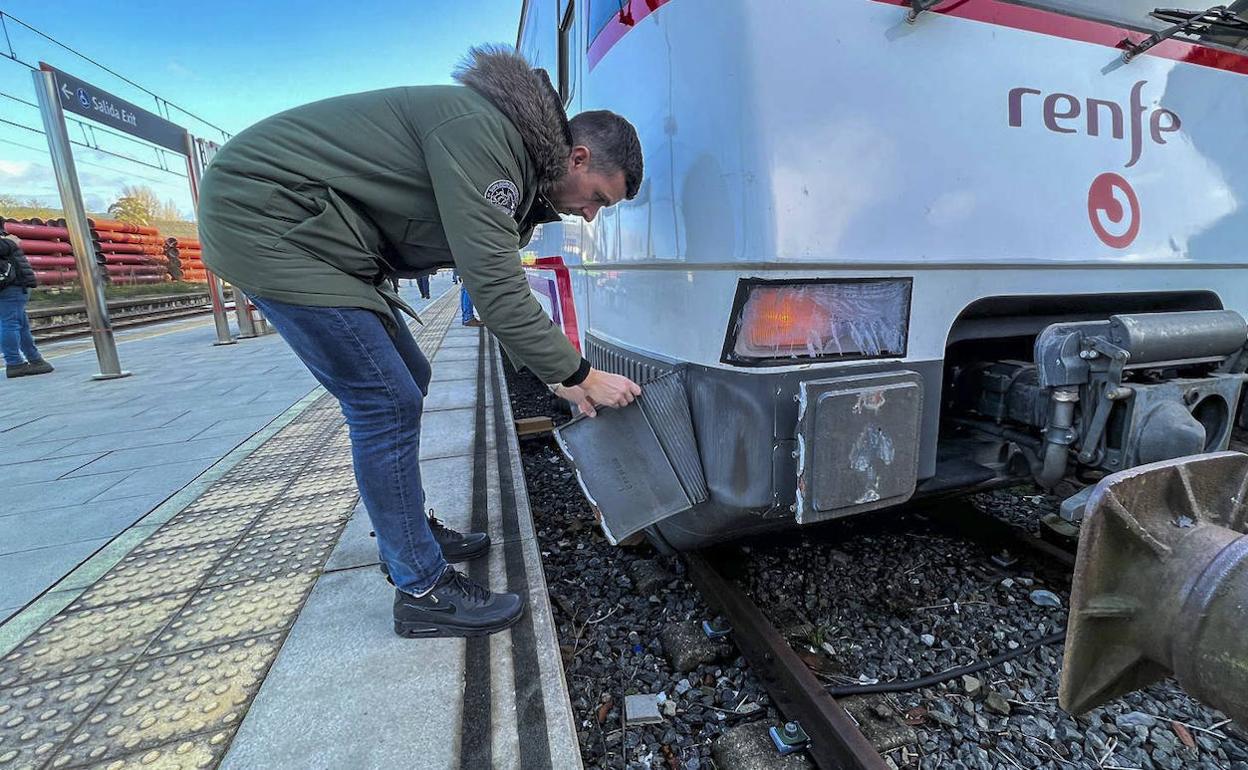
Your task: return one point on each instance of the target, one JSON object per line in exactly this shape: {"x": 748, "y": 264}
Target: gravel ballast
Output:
{"x": 878, "y": 598}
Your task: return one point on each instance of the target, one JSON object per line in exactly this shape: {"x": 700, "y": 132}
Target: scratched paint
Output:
{"x": 872, "y": 448}
{"x": 870, "y": 401}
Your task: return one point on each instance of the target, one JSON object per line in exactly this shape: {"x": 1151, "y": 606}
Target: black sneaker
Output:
{"x": 457, "y": 546}
{"x": 19, "y": 370}
{"x": 455, "y": 606}
{"x": 39, "y": 366}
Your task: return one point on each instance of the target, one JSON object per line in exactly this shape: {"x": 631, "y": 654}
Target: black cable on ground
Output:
{"x": 945, "y": 676}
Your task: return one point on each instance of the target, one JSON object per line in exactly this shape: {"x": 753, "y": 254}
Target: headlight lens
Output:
{"x": 778, "y": 321}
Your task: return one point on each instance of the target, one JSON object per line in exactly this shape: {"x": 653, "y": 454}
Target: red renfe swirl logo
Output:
{"x": 1113, "y": 222}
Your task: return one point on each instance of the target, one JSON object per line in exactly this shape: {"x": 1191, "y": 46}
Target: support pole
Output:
{"x": 246, "y": 321}
{"x": 219, "y": 317}
{"x": 79, "y": 230}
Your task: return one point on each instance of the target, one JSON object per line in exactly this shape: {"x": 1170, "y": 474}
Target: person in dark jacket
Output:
{"x": 21, "y": 357}
{"x": 311, "y": 210}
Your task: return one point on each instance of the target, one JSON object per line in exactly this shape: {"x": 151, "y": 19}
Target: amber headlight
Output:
{"x": 777, "y": 322}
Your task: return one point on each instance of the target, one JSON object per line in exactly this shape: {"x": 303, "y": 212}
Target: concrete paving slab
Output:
{"x": 455, "y": 370}
{"x": 48, "y": 470}
{"x": 343, "y": 679}
{"x": 356, "y": 548}
{"x": 466, "y": 353}
{"x": 15, "y": 453}
{"x": 29, "y": 573}
{"x": 453, "y": 394}
{"x": 151, "y": 437}
{"x": 239, "y": 426}
{"x": 447, "y": 433}
{"x": 459, "y": 342}
{"x": 39, "y": 495}
{"x": 28, "y": 530}
{"x": 156, "y": 481}
{"x": 131, "y": 459}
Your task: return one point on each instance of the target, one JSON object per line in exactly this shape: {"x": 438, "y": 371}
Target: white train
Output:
{"x": 893, "y": 259}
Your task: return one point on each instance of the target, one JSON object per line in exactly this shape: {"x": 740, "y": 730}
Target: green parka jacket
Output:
{"x": 318, "y": 205}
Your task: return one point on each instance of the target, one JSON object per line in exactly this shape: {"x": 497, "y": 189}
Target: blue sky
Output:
{"x": 231, "y": 63}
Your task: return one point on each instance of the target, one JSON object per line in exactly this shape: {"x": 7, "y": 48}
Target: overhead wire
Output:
{"x": 159, "y": 99}
{"x": 93, "y": 164}
{"x": 96, "y": 148}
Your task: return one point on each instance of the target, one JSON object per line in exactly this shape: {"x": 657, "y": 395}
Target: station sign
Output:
{"x": 82, "y": 98}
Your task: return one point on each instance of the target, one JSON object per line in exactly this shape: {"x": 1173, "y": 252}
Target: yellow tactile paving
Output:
{"x": 325, "y": 508}
{"x": 94, "y": 638}
{"x": 154, "y": 665}
{"x": 203, "y": 751}
{"x": 36, "y": 719}
{"x": 235, "y": 611}
{"x": 161, "y": 699}
{"x": 150, "y": 573}
{"x": 232, "y": 494}
{"x": 287, "y": 552}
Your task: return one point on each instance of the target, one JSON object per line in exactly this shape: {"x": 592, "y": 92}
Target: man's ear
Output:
{"x": 579, "y": 156}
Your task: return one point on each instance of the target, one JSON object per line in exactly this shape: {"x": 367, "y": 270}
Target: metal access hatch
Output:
{"x": 640, "y": 464}
{"x": 858, "y": 443}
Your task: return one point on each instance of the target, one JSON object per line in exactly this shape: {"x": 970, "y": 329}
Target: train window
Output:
{"x": 1129, "y": 13}
{"x": 565, "y": 52}
{"x": 601, "y": 12}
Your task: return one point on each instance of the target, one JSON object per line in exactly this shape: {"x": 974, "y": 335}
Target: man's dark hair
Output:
{"x": 612, "y": 143}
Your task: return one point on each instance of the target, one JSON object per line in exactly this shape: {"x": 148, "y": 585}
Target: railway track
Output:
{"x": 70, "y": 321}
{"x": 921, "y": 639}
{"x": 836, "y": 742}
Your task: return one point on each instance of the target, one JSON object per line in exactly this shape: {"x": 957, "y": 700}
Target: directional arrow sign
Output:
{"x": 84, "y": 99}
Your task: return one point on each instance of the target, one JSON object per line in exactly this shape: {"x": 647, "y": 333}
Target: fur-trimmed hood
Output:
{"x": 529, "y": 101}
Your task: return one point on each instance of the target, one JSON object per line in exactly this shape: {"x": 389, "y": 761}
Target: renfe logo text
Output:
{"x": 1066, "y": 114}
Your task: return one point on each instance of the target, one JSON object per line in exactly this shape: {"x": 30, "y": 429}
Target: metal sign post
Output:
{"x": 79, "y": 231}
{"x": 246, "y": 321}
{"x": 219, "y": 317}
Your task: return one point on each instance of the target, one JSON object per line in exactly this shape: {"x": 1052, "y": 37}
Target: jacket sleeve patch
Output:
{"x": 504, "y": 195}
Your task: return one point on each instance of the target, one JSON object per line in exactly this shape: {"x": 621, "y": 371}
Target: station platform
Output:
{"x": 244, "y": 622}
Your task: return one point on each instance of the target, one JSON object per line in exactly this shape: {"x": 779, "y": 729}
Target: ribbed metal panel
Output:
{"x": 667, "y": 409}
{"x": 608, "y": 359}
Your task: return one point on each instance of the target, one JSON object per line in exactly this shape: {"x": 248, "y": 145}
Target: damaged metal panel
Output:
{"x": 857, "y": 443}
{"x": 640, "y": 464}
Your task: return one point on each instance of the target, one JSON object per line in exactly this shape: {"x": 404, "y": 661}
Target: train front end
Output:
{"x": 890, "y": 259}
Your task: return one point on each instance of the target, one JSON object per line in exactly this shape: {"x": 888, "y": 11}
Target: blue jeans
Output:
{"x": 423, "y": 284}
{"x": 465, "y": 305}
{"x": 381, "y": 382}
{"x": 15, "y": 339}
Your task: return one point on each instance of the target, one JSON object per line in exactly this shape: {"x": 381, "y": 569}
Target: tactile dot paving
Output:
{"x": 284, "y": 466}
{"x": 153, "y": 572}
{"x": 320, "y": 482}
{"x": 35, "y": 719}
{"x": 310, "y": 510}
{"x": 198, "y": 527}
{"x": 94, "y": 638}
{"x": 234, "y": 494}
{"x": 235, "y": 611}
{"x": 282, "y": 552}
{"x": 162, "y": 700}
{"x": 202, "y": 751}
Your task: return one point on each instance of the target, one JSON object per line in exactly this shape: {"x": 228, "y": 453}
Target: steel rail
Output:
{"x": 836, "y": 743}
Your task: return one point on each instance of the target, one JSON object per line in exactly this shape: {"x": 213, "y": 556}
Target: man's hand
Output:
{"x": 600, "y": 389}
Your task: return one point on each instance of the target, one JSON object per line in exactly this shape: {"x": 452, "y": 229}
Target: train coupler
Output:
{"x": 1161, "y": 585}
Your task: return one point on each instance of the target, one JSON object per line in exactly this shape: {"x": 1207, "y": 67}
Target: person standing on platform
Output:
{"x": 422, "y": 283}
{"x": 21, "y": 356}
{"x": 467, "y": 314}
{"x": 311, "y": 210}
